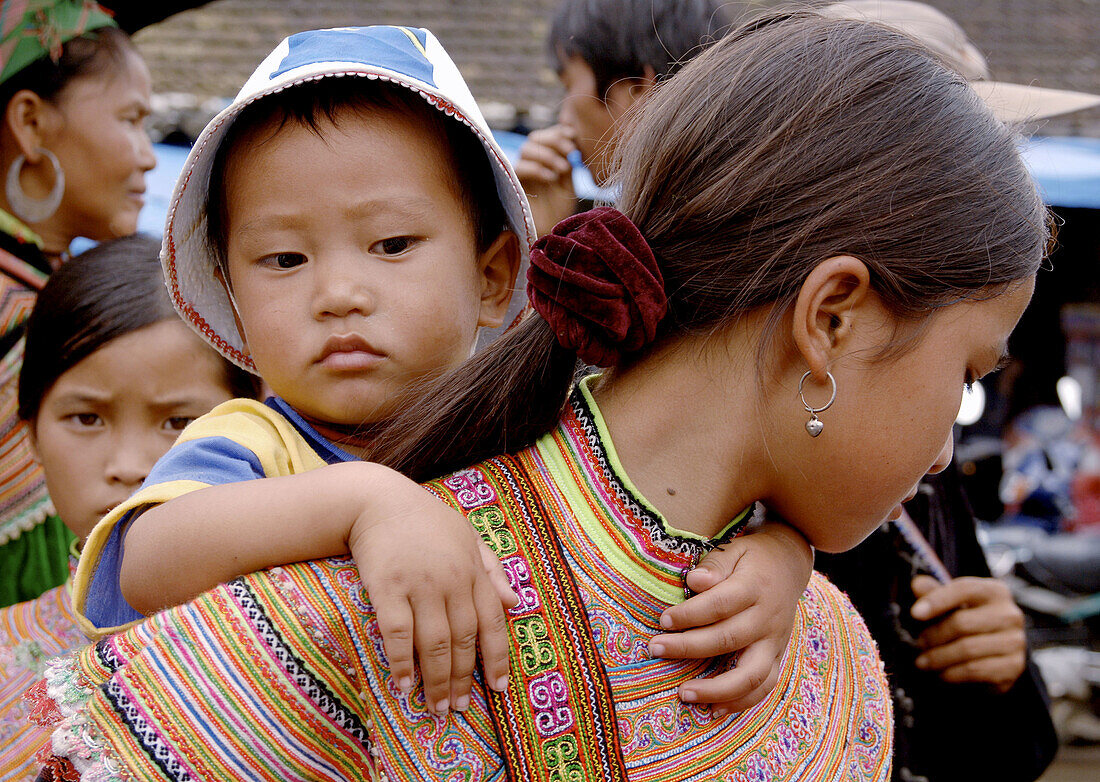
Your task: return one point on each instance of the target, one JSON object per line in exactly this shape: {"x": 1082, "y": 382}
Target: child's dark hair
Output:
{"x": 618, "y": 38}
{"x": 307, "y": 104}
{"x": 90, "y": 54}
{"x": 104, "y": 293}
{"x": 786, "y": 143}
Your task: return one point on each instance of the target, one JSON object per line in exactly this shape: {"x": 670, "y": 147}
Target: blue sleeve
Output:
{"x": 210, "y": 460}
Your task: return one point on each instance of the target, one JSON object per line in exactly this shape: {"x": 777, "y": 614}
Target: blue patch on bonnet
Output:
{"x": 397, "y": 49}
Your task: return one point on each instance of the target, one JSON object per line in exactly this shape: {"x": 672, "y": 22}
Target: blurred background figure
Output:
{"x": 110, "y": 377}
{"x": 608, "y": 54}
{"x": 74, "y": 153}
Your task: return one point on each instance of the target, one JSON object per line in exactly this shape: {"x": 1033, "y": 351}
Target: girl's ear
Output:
{"x": 828, "y": 304}
{"x": 30, "y": 120}
{"x": 498, "y": 267}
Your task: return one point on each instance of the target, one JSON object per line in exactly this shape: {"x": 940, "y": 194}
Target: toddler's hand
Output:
{"x": 748, "y": 595}
{"x": 435, "y": 585}
{"x": 978, "y": 635}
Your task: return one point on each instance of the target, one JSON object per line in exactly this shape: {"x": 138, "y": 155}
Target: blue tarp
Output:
{"x": 1067, "y": 169}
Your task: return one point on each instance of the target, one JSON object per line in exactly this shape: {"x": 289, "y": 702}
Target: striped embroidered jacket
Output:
{"x": 282, "y": 676}
{"x": 31, "y": 633}
{"x": 23, "y": 500}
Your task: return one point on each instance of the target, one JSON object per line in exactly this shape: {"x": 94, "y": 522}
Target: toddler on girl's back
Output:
{"x": 346, "y": 229}
{"x": 110, "y": 377}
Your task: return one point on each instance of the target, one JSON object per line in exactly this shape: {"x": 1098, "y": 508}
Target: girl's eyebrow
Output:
{"x": 173, "y": 402}
{"x": 84, "y": 396}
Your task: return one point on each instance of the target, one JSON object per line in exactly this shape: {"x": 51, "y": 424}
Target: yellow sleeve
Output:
{"x": 241, "y": 439}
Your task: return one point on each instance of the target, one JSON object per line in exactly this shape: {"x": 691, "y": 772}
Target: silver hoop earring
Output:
{"x": 34, "y": 210}
{"x": 815, "y": 425}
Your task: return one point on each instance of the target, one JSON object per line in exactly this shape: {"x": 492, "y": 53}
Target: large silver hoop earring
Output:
{"x": 34, "y": 210}
{"x": 815, "y": 425}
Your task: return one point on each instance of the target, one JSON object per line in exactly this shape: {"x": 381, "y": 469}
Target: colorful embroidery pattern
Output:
{"x": 24, "y": 502}
{"x": 285, "y": 673}
{"x": 30, "y": 634}
{"x": 556, "y": 721}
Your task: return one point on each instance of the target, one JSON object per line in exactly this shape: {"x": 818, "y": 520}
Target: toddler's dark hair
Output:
{"x": 102, "y": 294}
{"x": 307, "y": 104}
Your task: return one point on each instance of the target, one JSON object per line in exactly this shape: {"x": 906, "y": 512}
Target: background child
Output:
{"x": 608, "y": 55}
{"x": 348, "y": 282}
{"x": 75, "y": 93}
{"x": 110, "y": 377}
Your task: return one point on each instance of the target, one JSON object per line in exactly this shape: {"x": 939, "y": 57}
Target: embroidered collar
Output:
{"x": 325, "y": 448}
{"x": 589, "y": 418}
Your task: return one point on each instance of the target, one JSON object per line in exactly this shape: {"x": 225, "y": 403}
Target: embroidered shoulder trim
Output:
{"x": 652, "y": 524}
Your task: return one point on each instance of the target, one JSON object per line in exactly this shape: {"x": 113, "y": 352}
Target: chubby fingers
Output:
{"x": 395, "y": 621}
{"x": 463, "y": 620}
{"x": 492, "y": 628}
{"x": 497, "y": 577}
{"x": 741, "y": 688}
{"x": 732, "y": 631}
{"x": 432, "y": 634}
{"x": 718, "y": 597}
{"x": 716, "y": 567}
{"x": 547, "y": 161}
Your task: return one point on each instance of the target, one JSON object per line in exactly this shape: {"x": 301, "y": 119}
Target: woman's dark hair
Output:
{"x": 791, "y": 141}
{"x": 618, "y": 38}
{"x": 307, "y": 104}
{"x": 90, "y": 54}
{"x": 102, "y": 294}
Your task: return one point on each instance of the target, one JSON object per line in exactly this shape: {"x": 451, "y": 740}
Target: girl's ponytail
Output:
{"x": 598, "y": 295}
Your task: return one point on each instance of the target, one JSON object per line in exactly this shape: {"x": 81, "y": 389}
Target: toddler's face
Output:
{"x": 106, "y": 421}
{"x": 352, "y": 262}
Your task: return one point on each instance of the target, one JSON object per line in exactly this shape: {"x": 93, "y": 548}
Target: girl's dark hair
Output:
{"x": 87, "y": 55}
{"x": 618, "y": 38}
{"x": 102, "y": 294}
{"x": 791, "y": 141}
{"x": 307, "y": 104}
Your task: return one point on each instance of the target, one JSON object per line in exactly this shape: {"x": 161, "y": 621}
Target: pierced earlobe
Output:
{"x": 815, "y": 424}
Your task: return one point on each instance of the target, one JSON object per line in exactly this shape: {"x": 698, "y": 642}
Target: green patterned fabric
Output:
{"x": 34, "y": 562}
{"x": 33, "y": 29}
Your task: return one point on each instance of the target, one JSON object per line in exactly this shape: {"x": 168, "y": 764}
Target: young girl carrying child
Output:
{"x": 110, "y": 377}
{"x": 824, "y": 234}
{"x": 345, "y": 229}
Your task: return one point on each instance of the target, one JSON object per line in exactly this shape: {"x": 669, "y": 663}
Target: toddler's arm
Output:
{"x": 431, "y": 580}
{"x": 749, "y": 591}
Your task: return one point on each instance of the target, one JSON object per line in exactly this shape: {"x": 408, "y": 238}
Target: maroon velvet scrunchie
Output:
{"x": 595, "y": 281}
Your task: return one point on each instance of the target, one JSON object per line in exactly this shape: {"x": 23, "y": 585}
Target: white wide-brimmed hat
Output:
{"x": 1009, "y": 102}
{"x": 406, "y": 56}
